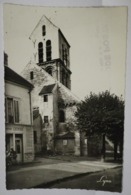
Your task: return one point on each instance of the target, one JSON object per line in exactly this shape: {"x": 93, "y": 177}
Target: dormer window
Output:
{"x": 43, "y": 30}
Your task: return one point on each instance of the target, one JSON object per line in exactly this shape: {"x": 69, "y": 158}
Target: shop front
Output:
{"x": 23, "y": 146}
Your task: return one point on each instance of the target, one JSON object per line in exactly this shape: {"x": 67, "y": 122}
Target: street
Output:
{"x": 108, "y": 180}
{"x": 61, "y": 173}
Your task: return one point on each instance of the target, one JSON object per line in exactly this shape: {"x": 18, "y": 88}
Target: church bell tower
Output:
{"x": 52, "y": 51}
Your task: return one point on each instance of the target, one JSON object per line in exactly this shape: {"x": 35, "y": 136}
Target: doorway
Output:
{"x": 19, "y": 147}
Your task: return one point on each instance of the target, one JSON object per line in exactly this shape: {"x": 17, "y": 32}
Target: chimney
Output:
{"x": 5, "y": 59}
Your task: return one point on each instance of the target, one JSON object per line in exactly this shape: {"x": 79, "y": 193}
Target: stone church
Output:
{"x": 53, "y": 102}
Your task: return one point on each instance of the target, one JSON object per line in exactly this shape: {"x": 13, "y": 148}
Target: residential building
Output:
{"x": 18, "y": 116}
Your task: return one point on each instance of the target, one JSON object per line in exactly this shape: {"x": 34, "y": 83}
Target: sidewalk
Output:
{"x": 47, "y": 170}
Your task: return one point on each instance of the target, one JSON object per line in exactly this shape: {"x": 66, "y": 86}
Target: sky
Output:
{"x": 97, "y": 37}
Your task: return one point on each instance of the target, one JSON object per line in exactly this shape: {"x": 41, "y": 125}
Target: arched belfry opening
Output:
{"x": 51, "y": 48}
{"x": 48, "y": 50}
{"x": 40, "y": 52}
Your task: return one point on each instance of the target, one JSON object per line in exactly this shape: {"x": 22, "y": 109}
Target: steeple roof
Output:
{"x": 49, "y": 21}
{"x": 41, "y": 22}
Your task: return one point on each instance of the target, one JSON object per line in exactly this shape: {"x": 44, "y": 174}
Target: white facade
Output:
{"x": 23, "y": 96}
{"x": 51, "y": 51}
{"x": 18, "y": 121}
{"x": 51, "y": 33}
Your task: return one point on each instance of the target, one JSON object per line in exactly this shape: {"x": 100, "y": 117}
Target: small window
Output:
{"x": 43, "y": 30}
{"x": 65, "y": 142}
{"x": 61, "y": 116}
{"x": 31, "y": 75}
{"x": 45, "y": 98}
{"x": 46, "y": 119}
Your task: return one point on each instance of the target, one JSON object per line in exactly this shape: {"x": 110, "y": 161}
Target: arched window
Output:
{"x": 48, "y": 50}
{"x": 65, "y": 57}
{"x": 43, "y": 30}
{"x": 40, "y": 52}
{"x": 49, "y": 70}
{"x": 62, "y": 52}
{"x": 63, "y": 77}
{"x": 61, "y": 116}
{"x": 67, "y": 80}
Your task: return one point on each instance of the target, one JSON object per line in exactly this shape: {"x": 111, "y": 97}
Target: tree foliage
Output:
{"x": 102, "y": 113}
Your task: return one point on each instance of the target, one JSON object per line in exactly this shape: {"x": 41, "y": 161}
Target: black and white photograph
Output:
{"x": 64, "y": 79}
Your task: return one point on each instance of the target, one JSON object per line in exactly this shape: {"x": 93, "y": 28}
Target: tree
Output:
{"x": 102, "y": 114}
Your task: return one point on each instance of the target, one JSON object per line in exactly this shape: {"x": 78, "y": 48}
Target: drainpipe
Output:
{"x": 31, "y": 116}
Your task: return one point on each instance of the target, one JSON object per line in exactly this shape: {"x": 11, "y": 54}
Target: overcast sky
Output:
{"x": 97, "y": 37}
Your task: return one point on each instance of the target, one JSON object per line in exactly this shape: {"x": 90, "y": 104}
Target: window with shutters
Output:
{"x": 16, "y": 111}
{"x": 11, "y": 110}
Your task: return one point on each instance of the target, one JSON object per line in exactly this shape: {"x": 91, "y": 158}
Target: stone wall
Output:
{"x": 28, "y": 144}
{"x": 55, "y": 110}
{"x": 41, "y": 78}
{"x": 37, "y": 126}
{"x": 59, "y": 98}
{"x": 65, "y": 146}
{"x": 94, "y": 145}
